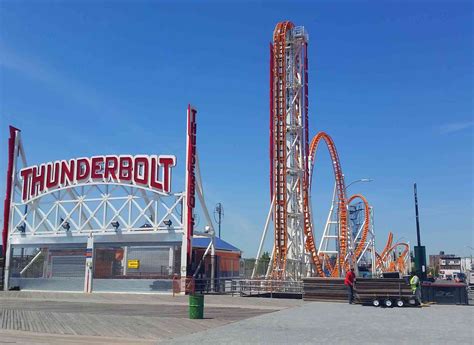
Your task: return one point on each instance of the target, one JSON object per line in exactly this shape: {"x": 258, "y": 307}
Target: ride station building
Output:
{"x": 108, "y": 223}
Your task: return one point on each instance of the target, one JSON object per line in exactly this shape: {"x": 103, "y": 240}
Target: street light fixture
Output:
{"x": 359, "y": 180}
{"x": 65, "y": 225}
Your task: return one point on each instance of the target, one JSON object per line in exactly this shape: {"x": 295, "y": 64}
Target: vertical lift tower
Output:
{"x": 289, "y": 149}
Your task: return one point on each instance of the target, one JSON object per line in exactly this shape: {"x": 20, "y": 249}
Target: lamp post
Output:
{"x": 359, "y": 180}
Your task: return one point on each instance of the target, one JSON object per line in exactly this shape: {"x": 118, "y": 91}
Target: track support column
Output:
{"x": 88, "y": 280}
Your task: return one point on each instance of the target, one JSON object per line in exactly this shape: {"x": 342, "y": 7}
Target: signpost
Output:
{"x": 190, "y": 192}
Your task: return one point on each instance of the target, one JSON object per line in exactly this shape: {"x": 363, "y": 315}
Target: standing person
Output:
{"x": 416, "y": 287}
{"x": 349, "y": 282}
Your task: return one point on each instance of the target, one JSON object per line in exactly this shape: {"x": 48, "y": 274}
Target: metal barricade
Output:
{"x": 238, "y": 286}
{"x": 184, "y": 285}
{"x": 222, "y": 286}
{"x": 250, "y": 287}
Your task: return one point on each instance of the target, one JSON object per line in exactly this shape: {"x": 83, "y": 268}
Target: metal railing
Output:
{"x": 237, "y": 286}
{"x": 190, "y": 285}
{"x": 251, "y": 287}
{"x": 228, "y": 286}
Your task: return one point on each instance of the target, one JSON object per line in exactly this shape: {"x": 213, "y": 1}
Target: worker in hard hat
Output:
{"x": 416, "y": 287}
{"x": 349, "y": 282}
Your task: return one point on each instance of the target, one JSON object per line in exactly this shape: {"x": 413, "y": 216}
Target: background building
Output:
{"x": 449, "y": 266}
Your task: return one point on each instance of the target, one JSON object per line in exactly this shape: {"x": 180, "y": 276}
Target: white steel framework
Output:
{"x": 328, "y": 246}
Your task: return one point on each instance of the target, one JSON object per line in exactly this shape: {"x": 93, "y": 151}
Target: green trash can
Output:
{"x": 196, "y": 306}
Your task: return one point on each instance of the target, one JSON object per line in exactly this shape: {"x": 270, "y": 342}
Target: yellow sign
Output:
{"x": 133, "y": 264}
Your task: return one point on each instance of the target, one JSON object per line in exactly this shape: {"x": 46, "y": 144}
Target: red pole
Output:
{"x": 271, "y": 122}
{"x": 190, "y": 180}
{"x": 8, "y": 192}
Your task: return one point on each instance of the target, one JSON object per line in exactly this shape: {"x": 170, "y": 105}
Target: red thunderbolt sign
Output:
{"x": 153, "y": 172}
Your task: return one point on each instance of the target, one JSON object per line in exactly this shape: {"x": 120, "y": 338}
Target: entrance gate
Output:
{"x": 104, "y": 223}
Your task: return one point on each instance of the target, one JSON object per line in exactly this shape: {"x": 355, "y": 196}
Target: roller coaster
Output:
{"x": 292, "y": 159}
{"x": 392, "y": 259}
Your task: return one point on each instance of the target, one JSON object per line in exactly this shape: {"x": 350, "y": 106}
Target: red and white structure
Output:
{"x": 289, "y": 148}
{"x": 292, "y": 157}
{"x": 119, "y": 204}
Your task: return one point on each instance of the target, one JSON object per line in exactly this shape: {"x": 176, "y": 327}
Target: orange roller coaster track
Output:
{"x": 278, "y": 114}
{"x": 288, "y": 146}
{"x": 398, "y": 263}
{"x": 365, "y": 230}
{"x": 340, "y": 187}
{"x": 292, "y": 161}
{"x": 387, "y": 247}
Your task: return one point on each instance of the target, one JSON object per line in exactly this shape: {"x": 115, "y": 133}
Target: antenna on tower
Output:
{"x": 219, "y": 216}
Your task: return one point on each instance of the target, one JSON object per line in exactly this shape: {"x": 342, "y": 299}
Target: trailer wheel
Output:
{"x": 388, "y": 302}
{"x": 400, "y": 303}
{"x": 376, "y": 303}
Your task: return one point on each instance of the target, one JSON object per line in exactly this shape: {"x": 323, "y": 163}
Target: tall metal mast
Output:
{"x": 420, "y": 251}
{"x": 418, "y": 240}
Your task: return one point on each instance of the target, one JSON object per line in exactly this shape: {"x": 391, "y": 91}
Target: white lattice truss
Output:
{"x": 330, "y": 238}
{"x": 97, "y": 208}
{"x": 91, "y": 208}
{"x": 298, "y": 261}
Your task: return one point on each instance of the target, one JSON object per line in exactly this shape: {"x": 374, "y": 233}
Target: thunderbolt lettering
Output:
{"x": 135, "y": 170}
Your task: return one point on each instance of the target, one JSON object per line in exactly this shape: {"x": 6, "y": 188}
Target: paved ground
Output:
{"x": 65, "y": 318}
{"x": 338, "y": 323}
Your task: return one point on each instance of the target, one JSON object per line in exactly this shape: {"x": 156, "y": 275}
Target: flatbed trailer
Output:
{"x": 384, "y": 292}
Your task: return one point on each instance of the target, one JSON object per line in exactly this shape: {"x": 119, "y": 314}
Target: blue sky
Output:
{"x": 391, "y": 82}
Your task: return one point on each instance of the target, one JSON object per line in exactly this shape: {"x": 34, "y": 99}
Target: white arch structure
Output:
{"x": 91, "y": 212}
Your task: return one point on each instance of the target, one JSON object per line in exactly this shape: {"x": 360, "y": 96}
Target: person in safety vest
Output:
{"x": 416, "y": 287}
{"x": 349, "y": 282}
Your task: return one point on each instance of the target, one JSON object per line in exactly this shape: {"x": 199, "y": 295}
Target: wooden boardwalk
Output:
{"x": 126, "y": 317}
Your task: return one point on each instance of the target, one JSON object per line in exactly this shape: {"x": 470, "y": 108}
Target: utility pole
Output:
{"x": 418, "y": 240}
{"x": 219, "y": 215}
{"x": 420, "y": 251}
